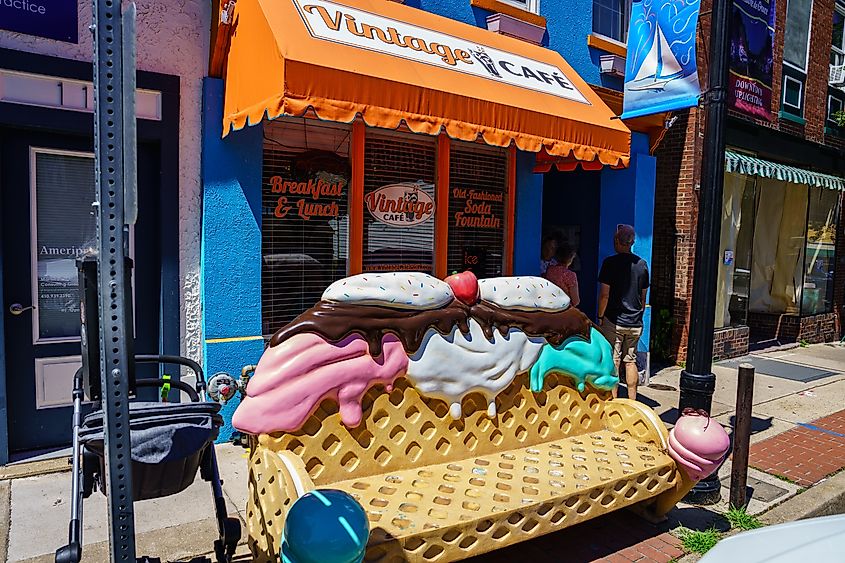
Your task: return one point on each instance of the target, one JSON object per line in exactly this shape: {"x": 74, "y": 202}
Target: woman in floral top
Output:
{"x": 560, "y": 274}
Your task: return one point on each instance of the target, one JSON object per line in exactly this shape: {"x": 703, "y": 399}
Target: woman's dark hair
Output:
{"x": 565, "y": 253}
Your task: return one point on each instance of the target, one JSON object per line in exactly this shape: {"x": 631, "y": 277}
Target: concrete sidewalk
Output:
{"x": 34, "y": 511}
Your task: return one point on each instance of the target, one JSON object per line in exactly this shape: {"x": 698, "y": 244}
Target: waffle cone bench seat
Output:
{"x": 407, "y": 418}
{"x": 437, "y": 489}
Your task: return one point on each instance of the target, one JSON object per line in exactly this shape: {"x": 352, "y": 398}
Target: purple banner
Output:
{"x": 53, "y": 19}
{"x": 752, "y": 40}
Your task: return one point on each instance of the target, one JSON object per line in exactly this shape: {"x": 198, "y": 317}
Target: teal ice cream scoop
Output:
{"x": 584, "y": 361}
{"x": 325, "y": 526}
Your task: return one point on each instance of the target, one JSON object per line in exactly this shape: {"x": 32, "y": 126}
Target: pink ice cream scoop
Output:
{"x": 698, "y": 444}
{"x": 293, "y": 377}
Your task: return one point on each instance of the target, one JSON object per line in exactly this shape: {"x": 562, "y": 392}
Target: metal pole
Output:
{"x": 742, "y": 435}
{"x": 697, "y": 380}
{"x": 114, "y": 368}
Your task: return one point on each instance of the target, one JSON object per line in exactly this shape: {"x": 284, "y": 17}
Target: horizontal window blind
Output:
{"x": 304, "y": 229}
{"x": 478, "y": 183}
{"x": 399, "y": 202}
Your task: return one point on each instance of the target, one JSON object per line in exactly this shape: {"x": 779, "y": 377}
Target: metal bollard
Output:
{"x": 742, "y": 435}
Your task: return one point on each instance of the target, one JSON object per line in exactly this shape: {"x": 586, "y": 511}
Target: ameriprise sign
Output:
{"x": 342, "y": 24}
{"x": 53, "y": 19}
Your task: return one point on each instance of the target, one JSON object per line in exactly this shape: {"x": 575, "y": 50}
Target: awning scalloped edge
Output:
{"x": 753, "y": 166}
{"x": 346, "y": 112}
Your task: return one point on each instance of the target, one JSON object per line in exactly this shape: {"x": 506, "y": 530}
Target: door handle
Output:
{"x": 16, "y": 308}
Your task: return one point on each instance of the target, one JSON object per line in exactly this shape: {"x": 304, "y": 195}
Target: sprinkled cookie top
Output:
{"x": 524, "y": 293}
{"x": 400, "y": 290}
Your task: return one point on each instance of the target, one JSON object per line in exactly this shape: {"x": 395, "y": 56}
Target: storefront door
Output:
{"x": 47, "y": 183}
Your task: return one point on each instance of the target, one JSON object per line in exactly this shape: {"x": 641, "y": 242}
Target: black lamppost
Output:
{"x": 698, "y": 381}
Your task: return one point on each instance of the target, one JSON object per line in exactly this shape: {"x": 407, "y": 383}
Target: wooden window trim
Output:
{"x": 509, "y": 10}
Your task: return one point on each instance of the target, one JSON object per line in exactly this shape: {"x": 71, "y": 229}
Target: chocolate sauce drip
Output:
{"x": 555, "y": 327}
{"x": 336, "y": 321}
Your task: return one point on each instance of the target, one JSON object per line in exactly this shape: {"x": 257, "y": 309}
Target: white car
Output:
{"x": 816, "y": 540}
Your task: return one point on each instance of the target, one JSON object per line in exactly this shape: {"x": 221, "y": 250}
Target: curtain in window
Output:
{"x": 731, "y": 221}
{"x": 778, "y": 253}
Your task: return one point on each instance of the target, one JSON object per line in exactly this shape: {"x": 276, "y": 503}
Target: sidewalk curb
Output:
{"x": 824, "y": 499}
{"x": 35, "y": 468}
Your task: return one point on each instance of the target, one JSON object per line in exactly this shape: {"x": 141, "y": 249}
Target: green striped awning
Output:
{"x": 751, "y": 166}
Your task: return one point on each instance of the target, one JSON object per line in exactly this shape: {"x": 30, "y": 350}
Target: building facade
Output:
{"x": 780, "y": 270}
{"x": 283, "y": 217}
{"x": 47, "y": 184}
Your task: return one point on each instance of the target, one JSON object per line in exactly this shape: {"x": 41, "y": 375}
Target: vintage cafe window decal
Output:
{"x": 402, "y": 204}
{"x": 335, "y": 22}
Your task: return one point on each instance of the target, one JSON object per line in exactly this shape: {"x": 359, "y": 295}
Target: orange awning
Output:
{"x": 390, "y": 63}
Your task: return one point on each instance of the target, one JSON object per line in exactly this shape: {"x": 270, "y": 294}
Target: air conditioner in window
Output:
{"x": 837, "y": 76}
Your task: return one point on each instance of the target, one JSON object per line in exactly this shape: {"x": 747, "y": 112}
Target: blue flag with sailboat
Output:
{"x": 660, "y": 70}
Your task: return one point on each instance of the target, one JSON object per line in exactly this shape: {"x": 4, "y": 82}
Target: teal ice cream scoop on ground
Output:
{"x": 325, "y": 526}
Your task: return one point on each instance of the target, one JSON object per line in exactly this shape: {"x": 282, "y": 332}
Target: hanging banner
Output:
{"x": 752, "y": 37}
{"x": 660, "y": 71}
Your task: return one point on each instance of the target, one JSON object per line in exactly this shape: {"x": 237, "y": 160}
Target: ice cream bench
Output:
{"x": 462, "y": 415}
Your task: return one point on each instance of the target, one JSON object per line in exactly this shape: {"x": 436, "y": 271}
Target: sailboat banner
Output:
{"x": 660, "y": 71}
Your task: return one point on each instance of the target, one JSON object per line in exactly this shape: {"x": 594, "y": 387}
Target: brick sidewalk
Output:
{"x": 620, "y": 537}
{"x": 806, "y": 454}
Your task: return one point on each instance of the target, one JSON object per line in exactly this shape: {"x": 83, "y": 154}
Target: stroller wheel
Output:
{"x": 220, "y": 552}
{"x": 231, "y": 536}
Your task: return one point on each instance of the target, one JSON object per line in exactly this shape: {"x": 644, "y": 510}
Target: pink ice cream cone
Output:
{"x": 293, "y": 377}
{"x": 698, "y": 444}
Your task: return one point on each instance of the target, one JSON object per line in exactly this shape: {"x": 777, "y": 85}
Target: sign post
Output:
{"x": 111, "y": 165}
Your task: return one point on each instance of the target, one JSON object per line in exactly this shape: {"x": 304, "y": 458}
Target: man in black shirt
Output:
{"x": 624, "y": 281}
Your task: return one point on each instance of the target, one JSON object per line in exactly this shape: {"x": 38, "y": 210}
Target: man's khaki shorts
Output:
{"x": 623, "y": 339}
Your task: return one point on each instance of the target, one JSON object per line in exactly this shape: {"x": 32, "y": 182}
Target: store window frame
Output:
{"x": 624, "y": 11}
{"x": 833, "y": 258}
{"x": 357, "y": 209}
{"x": 831, "y": 110}
{"x": 532, "y": 6}
{"x": 837, "y": 52}
{"x": 796, "y": 110}
{"x": 809, "y": 40}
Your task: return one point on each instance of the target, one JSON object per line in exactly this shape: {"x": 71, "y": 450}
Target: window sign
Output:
{"x": 53, "y": 19}
{"x": 303, "y": 231}
{"x": 63, "y": 229}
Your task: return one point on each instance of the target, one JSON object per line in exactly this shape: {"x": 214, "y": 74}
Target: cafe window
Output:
{"x": 399, "y": 202}
{"x": 304, "y": 229}
{"x": 477, "y": 209}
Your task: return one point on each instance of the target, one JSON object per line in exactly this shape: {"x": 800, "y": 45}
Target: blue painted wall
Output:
{"x": 4, "y": 414}
{"x": 529, "y": 210}
{"x": 627, "y": 196}
{"x": 231, "y": 244}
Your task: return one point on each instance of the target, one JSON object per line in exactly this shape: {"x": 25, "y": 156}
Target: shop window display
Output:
{"x": 820, "y": 251}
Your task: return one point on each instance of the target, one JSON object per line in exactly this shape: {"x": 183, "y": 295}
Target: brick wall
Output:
{"x": 730, "y": 342}
{"x": 815, "y": 104}
{"x": 678, "y": 177}
{"x": 818, "y": 328}
{"x": 774, "y": 326}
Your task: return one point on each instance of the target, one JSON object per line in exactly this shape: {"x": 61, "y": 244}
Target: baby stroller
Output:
{"x": 170, "y": 441}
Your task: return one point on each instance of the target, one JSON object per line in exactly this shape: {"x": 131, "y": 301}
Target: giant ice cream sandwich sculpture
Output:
{"x": 397, "y": 371}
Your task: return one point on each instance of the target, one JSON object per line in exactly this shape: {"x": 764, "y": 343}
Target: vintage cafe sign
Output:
{"x": 342, "y": 24}
{"x": 400, "y": 205}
